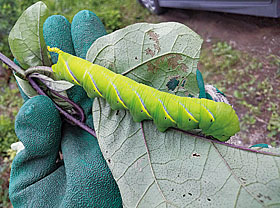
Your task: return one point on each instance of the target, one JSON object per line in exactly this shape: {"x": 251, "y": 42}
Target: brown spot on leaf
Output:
{"x": 150, "y": 52}
{"x": 184, "y": 67}
{"x": 155, "y": 37}
{"x": 151, "y": 67}
{"x": 159, "y": 60}
{"x": 173, "y": 61}
{"x": 157, "y": 47}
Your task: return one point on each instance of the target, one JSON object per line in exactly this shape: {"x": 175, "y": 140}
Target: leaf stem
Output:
{"x": 68, "y": 116}
{"x": 77, "y": 107}
{"x": 38, "y": 69}
{"x": 228, "y": 144}
{"x": 12, "y": 65}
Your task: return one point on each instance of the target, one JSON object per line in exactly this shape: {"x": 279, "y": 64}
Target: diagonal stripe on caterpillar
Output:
{"x": 217, "y": 119}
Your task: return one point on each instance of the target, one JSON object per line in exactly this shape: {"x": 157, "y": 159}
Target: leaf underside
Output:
{"x": 152, "y": 54}
{"x": 172, "y": 169}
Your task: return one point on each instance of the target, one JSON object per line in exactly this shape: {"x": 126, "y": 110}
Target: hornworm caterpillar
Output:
{"x": 217, "y": 119}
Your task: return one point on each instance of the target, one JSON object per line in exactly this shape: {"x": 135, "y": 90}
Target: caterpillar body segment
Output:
{"x": 146, "y": 103}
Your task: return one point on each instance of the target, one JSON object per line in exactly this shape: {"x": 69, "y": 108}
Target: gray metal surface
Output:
{"x": 268, "y": 8}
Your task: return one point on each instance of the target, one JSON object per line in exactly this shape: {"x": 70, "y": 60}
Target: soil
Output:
{"x": 257, "y": 35}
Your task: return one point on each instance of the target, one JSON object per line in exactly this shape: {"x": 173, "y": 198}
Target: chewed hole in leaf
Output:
{"x": 172, "y": 84}
{"x": 195, "y": 154}
{"x": 183, "y": 83}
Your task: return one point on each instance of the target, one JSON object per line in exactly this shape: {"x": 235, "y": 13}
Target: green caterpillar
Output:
{"x": 217, "y": 119}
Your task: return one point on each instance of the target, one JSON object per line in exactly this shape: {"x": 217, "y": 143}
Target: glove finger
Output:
{"x": 34, "y": 169}
{"x": 200, "y": 84}
{"x": 89, "y": 179}
{"x": 86, "y": 28}
{"x": 38, "y": 126}
{"x": 57, "y": 33}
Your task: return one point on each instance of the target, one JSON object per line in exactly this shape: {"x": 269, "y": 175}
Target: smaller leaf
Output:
{"x": 56, "y": 85}
{"x": 26, "y": 87}
{"x": 26, "y": 37}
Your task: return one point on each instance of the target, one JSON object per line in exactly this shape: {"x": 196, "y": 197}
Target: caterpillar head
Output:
{"x": 224, "y": 126}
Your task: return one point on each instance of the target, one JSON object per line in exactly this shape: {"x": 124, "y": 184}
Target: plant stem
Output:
{"x": 228, "y": 144}
{"x": 68, "y": 117}
{"x": 12, "y": 65}
{"x": 77, "y": 107}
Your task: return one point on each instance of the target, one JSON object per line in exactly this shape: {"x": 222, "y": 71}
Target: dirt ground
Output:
{"x": 257, "y": 35}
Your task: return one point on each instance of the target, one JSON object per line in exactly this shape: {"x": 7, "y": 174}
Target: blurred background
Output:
{"x": 240, "y": 56}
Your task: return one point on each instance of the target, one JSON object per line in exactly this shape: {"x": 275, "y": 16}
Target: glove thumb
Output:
{"x": 38, "y": 126}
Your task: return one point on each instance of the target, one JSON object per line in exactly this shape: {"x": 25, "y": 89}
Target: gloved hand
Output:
{"x": 82, "y": 178}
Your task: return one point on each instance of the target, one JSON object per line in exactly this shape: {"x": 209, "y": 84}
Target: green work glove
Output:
{"x": 209, "y": 91}
{"x": 82, "y": 178}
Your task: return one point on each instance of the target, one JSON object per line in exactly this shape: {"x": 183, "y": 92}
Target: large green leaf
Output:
{"x": 164, "y": 56}
{"x": 26, "y": 37}
{"x": 172, "y": 169}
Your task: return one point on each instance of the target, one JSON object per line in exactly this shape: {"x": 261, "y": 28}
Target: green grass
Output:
{"x": 113, "y": 14}
{"x": 251, "y": 85}
{"x": 10, "y": 102}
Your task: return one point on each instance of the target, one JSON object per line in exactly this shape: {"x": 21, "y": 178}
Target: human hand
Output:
{"x": 82, "y": 178}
